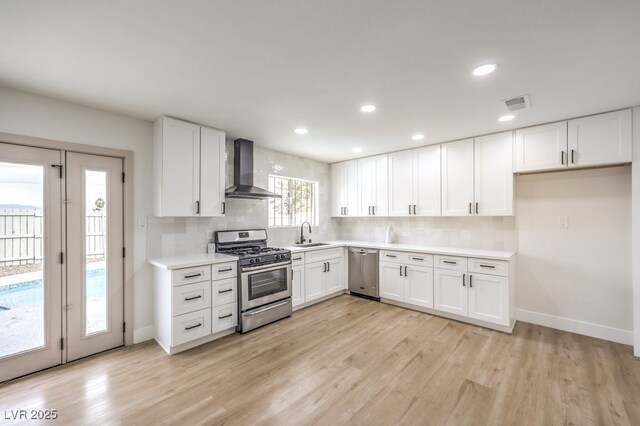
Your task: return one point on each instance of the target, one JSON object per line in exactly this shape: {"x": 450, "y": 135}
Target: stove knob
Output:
{"x": 278, "y": 256}
{"x": 257, "y": 259}
{"x": 250, "y": 260}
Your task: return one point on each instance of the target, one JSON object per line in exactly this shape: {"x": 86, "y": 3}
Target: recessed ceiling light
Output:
{"x": 484, "y": 69}
{"x": 507, "y": 117}
{"x": 417, "y": 137}
{"x": 357, "y": 150}
{"x": 368, "y": 108}
{"x": 301, "y": 131}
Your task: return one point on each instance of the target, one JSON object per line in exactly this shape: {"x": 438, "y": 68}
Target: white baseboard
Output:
{"x": 575, "y": 326}
{"x": 143, "y": 334}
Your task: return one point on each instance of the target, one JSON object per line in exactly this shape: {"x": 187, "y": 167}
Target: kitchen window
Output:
{"x": 299, "y": 202}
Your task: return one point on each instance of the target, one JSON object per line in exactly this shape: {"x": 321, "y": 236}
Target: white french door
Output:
{"x": 30, "y": 268}
{"x": 61, "y": 257}
{"x": 95, "y": 264}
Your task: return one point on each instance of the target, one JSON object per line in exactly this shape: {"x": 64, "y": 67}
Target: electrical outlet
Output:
{"x": 564, "y": 222}
{"x": 142, "y": 223}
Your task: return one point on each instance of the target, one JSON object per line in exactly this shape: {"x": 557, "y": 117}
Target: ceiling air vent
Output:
{"x": 519, "y": 102}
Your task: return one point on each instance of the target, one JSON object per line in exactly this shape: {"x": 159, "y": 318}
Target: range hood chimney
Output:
{"x": 243, "y": 174}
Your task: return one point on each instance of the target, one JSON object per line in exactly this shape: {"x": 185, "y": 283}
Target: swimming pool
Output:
{"x": 30, "y": 293}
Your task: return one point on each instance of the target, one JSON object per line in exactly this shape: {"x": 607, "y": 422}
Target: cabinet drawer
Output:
{"x": 420, "y": 259}
{"x": 191, "y": 275}
{"x": 224, "y": 317}
{"x": 455, "y": 263}
{"x": 221, "y": 271}
{"x": 297, "y": 259}
{"x": 191, "y": 297}
{"x": 224, "y": 292}
{"x": 491, "y": 267}
{"x": 394, "y": 256}
{"x": 321, "y": 255}
{"x": 191, "y": 326}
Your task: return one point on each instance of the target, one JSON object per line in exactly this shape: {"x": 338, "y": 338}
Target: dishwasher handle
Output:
{"x": 362, "y": 251}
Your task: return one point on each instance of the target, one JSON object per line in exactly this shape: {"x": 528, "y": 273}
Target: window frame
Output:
{"x": 314, "y": 196}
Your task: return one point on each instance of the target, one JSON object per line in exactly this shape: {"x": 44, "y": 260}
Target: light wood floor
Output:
{"x": 350, "y": 360}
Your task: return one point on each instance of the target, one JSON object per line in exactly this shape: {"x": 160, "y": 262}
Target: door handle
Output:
{"x": 414, "y": 209}
{"x": 488, "y": 266}
{"x": 188, "y": 299}
{"x": 573, "y": 156}
{"x": 470, "y": 208}
{"x": 449, "y": 262}
{"x": 562, "y": 157}
{"x": 224, "y": 207}
{"x": 369, "y": 210}
{"x": 193, "y": 326}
{"x": 225, "y": 270}
{"x": 470, "y": 280}
{"x": 197, "y": 207}
{"x": 373, "y": 208}
{"x": 409, "y": 208}
{"x": 464, "y": 276}
{"x": 405, "y": 271}
{"x": 400, "y": 270}
{"x": 225, "y": 291}
{"x": 225, "y": 316}
{"x": 477, "y": 208}
{"x": 259, "y": 311}
{"x": 193, "y": 275}
{"x": 325, "y": 267}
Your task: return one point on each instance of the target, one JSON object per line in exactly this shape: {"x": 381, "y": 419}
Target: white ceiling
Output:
{"x": 260, "y": 68}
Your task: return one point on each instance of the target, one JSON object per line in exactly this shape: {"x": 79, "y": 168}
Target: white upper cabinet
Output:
{"x": 400, "y": 183}
{"x": 600, "y": 139}
{"x": 372, "y": 186}
{"x": 597, "y": 140}
{"x": 414, "y": 182}
{"x": 457, "y": 178}
{"x": 493, "y": 169}
{"x": 541, "y": 147}
{"x": 344, "y": 188}
{"x": 188, "y": 169}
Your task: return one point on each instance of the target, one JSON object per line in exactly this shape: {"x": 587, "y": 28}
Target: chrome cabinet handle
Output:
{"x": 225, "y": 291}
{"x": 449, "y": 262}
{"x": 188, "y": 299}
{"x": 488, "y": 266}
{"x": 225, "y": 270}
{"x": 194, "y": 275}
{"x": 225, "y": 316}
{"x": 193, "y": 326}
{"x": 464, "y": 276}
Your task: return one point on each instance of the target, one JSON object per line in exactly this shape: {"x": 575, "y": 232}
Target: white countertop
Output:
{"x": 178, "y": 262}
{"x": 447, "y": 251}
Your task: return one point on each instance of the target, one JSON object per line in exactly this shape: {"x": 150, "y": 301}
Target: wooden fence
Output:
{"x": 21, "y": 240}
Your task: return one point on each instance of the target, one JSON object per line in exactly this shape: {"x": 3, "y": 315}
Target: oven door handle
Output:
{"x": 266, "y": 269}
{"x": 268, "y": 308}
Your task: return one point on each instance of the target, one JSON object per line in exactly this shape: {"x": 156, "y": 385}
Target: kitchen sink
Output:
{"x": 312, "y": 245}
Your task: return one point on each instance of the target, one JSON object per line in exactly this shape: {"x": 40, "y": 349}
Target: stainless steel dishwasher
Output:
{"x": 363, "y": 272}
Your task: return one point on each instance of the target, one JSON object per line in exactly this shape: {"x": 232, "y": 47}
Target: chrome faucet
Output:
{"x": 302, "y": 239}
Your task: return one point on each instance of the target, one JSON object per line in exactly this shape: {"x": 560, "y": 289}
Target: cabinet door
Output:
{"x": 212, "y": 172}
{"x": 297, "y": 282}
{"x": 493, "y": 168}
{"x": 334, "y": 277}
{"x": 351, "y": 171}
{"x": 450, "y": 292}
{"x": 372, "y": 186}
{"x": 600, "y": 139}
{"x": 489, "y": 298}
{"x": 541, "y": 147}
{"x": 419, "y": 286}
{"x": 179, "y": 170}
{"x": 392, "y": 281}
{"x": 426, "y": 181}
{"x": 400, "y": 183}
{"x": 338, "y": 189}
{"x": 457, "y": 178}
{"x": 314, "y": 278}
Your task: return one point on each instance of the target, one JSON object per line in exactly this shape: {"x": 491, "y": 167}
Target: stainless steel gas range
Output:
{"x": 264, "y": 282}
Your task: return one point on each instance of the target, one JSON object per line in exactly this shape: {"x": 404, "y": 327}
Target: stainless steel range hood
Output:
{"x": 243, "y": 174}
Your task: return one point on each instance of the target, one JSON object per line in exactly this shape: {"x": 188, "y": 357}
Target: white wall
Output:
{"x": 636, "y": 229}
{"x": 31, "y": 115}
{"x": 576, "y": 278}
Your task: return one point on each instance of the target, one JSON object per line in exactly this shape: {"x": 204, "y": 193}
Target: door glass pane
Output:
{"x": 95, "y": 280}
{"x": 22, "y": 283}
{"x": 265, "y": 283}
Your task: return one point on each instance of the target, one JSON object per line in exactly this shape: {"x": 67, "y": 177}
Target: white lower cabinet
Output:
{"x": 450, "y": 292}
{"x": 191, "y": 308}
{"x": 489, "y": 298}
{"x": 474, "y": 288}
{"x": 317, "y": 273}
{"x": 404, "y": 282}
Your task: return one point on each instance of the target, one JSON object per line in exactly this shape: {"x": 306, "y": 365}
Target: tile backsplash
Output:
{"x": 488, "y": 233}
{"x": 178, "y": 236}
